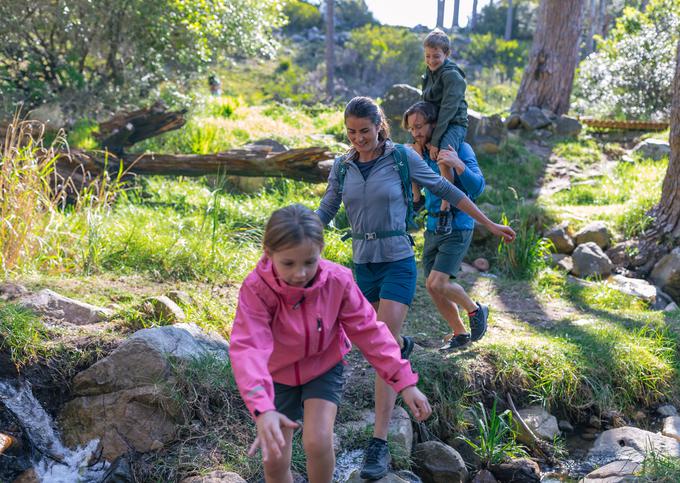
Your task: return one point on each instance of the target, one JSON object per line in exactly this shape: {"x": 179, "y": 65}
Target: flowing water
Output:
{"x": 53, "y": 462}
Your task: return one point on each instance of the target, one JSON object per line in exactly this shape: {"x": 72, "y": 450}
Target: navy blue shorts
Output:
{"x": 388, "y": 280}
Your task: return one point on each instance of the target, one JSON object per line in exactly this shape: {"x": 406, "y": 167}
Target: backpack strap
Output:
{"x": 401, "y": 160}
{"x": 342, "y": 173}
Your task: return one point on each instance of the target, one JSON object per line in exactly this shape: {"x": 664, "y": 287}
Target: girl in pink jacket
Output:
{"x": 295, "y": 318}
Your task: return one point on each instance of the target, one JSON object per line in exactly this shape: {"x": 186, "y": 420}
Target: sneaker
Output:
{"x": 444, "y": 220}
{"x": 478, "y": 322}
{"x": 376, "y": 463}
{"x": 457, "y": 342}
{"x": 408, "y": 347}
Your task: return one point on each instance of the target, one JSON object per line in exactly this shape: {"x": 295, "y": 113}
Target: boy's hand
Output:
{"x": 269, "y": 435}
{"x": 503, "y": 231}
{"x": 417, "y": 403}
{"x": 434, "y": 152}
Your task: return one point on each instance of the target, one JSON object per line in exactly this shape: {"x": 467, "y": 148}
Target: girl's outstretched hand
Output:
{"x": 417, "y": 403}
{"x": 270, "y": 438}
{"x": 503, "y": 231}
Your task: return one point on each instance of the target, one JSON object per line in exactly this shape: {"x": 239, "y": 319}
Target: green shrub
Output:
{"x": 495, "y": 442}
{"x": 506, "y": 56}
{"x": 301, "y": 16}
{"x": 22, "y": 334}
{"x": 524, "y": 257}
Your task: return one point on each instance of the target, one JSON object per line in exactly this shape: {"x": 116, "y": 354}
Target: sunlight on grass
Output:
{"x": 22, "y": 334}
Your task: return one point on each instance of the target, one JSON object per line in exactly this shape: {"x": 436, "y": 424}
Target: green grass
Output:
{"x": 582, "y": 152}
{"x": 22, "y": 334}
{"x": 658, "y": 468}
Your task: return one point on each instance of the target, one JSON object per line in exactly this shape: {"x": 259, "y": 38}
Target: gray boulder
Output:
{"x": 123, "y": 399}
{"x": 522, "y": 470}
{"x": 396, "y": 100}
{"x": 541, "y": 422}
{"x": 490, "y": 135}
{"x": 11, "y": 291}
{"x": 439, "y": 463}
{"x": 589, "y": 260}
{"x": 560, "y": 237}
{"x": 615, "y": 472}
{"x": 163, "y": 309}
{"x": 636, "y": 287}
{"x": 561, "y": 261}
{"x": 671, "y": 427}
{"x": 567, "y": 126}
{"x": 655, "y": 149}
{"x": 628, "y": 443}
{"x": 50, "y": 114}
{"x": 666, "y": 274}
{"x": 597, "y": 232}
{"x": 534, "y": 118}
{"x": 389, "y": 478}
{"x": 56, "y": 306}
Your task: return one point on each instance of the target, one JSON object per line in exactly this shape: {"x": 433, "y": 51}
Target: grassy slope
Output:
{"x": 576, "y": 350}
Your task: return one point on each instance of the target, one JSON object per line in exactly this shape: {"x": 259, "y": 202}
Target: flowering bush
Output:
{"x": 631, "y": 73}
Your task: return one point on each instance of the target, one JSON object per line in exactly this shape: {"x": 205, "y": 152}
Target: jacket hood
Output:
{"x": 293, "y": 295}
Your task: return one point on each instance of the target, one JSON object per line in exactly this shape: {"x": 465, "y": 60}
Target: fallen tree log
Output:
{"x": 305, "y": 164}
{"x": 127, "y": 128}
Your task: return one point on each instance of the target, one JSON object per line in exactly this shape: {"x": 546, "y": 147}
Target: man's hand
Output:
{"x": 417, "y": 403}
{"x": 269, "y": 435}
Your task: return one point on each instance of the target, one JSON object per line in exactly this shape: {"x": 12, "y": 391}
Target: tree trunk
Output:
{"x": 668, "y": 211}
{"x": 508, "y": 22}
{"x": 592, "y": 20}
{"x": 473, "y": 18}
{"x": 305, "y": 164}
{"x": 330, "y": 48}
{"x": 456, "y": 13}
{"x": 548, "y": 79}
{"x": 601, "y": 18}
{"x": 440, "y": 13}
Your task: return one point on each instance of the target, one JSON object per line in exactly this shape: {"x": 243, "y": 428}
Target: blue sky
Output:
{"x": 414, "y": 12}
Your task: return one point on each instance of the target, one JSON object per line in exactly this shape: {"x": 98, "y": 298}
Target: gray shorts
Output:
{"x": 445, "y": 253}
{"x": 289, "y": 400}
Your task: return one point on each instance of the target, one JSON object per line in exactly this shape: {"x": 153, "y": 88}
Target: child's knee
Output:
{"x": 277, "y": 467}
{"x": 317, "y": 443}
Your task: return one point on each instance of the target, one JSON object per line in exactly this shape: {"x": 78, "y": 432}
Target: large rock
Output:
{"x": 567, "y": 126}
{"x": 218, "y": 476}
{"x": 522, "y": 470}
{"x": 439, "y": 463}
{"x": 615, "y": 472}
{"x": 50, "y": 114}
{"x": 561, "y": 261}
{"x": 541, "y": 422}
{"x": 56, "y": 306}
{"x": 390, "y": 478}
{"x": 163, "y": 309}
{"x": 655, "y": 149}
{"x": 122, "y": 399}
{"x": 11, "y": 291}
{"x": 666, "y": 274}
{"x": 589, "y": 260}
{"x": 396, "y": 100}
{"x": 534, "y": 118}
{"x": 671, "y": 427}
{"x": 636, "y": 287}
{"x": 489, "y": 136}
{"x": 630, "y": 443}
{"x": 594, "y": 232}
{"x": 561, "y": 238}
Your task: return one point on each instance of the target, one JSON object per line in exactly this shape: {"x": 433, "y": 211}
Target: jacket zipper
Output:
{"x": 306, "y": 326}
{"x": 319, "y": 329}
{"x": 297, "y": 374}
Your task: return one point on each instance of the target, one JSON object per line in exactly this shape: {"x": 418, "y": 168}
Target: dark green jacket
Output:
{"x": 445, "y": 87}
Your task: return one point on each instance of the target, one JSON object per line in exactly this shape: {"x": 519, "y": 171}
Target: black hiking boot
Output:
{"x": 455, "y": 343}
{"x": 478, "y": 322}
{"x": 376, "y": 463}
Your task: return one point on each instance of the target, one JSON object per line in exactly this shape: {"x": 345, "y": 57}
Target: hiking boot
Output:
{"x": 478, "y": 322}
{"x": 376, "y": 463}
{"x": 455, "y": 343}
{"x": 444, "y": 221}
{"x": 408, "y": 347}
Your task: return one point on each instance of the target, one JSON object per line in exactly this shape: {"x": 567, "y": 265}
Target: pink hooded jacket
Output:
{"x": 292, "y": 335}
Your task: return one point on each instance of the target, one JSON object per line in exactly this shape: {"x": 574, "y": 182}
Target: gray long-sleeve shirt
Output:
{"x": 377, "y": 203}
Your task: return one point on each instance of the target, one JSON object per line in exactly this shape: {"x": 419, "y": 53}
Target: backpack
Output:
{"x": 401, "y": 161}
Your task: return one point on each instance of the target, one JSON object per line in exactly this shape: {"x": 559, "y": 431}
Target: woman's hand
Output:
{"x": 269, "y": 435}
{"x": 417, "y": 403}
{"x": 503, "y": 231}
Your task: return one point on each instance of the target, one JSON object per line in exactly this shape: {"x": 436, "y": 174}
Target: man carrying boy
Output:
{"x": 443, "y": 252}
{"x": 444, "y": 86}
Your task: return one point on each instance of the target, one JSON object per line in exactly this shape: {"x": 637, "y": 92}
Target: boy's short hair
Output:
{"x": 437, "y": 39}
